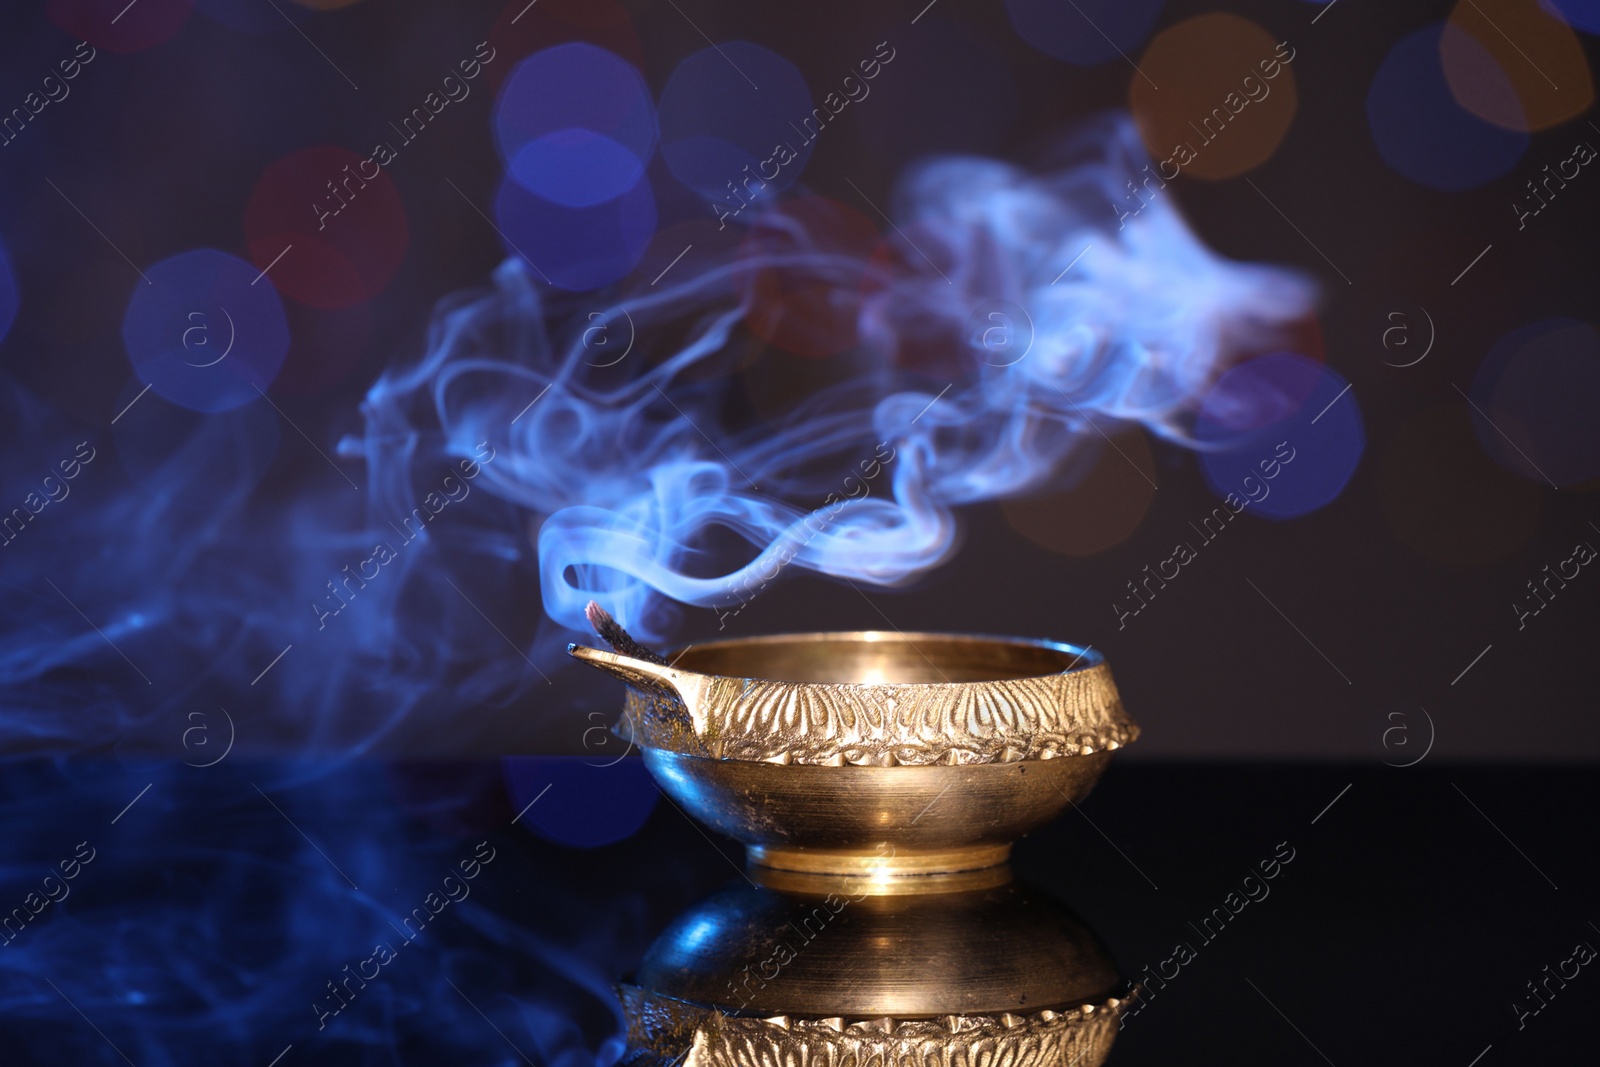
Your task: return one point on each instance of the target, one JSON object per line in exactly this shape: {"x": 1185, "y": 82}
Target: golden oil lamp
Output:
{"x": 872, "y": 756}
{"x": 877, "y": 780}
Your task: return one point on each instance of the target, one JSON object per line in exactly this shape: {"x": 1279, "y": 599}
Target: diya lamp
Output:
{"x": 878, "y": 777}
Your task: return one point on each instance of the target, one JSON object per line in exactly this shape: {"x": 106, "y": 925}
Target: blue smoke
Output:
{"x": 229, "y": 913}
{"x": 364, "y": 605}
{"x": 1061, "y": 314}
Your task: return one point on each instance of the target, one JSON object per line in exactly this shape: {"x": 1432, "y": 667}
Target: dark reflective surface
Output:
{"x": 372, "y": 913}
{"x": 1004, "y": 948}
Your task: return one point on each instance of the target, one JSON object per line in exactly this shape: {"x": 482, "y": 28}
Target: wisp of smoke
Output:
{"x": 1009, "y": 319}
{"x": 1066, "y": 320}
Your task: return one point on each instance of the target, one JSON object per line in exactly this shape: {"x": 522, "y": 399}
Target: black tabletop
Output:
{"x": 396, "y": 913}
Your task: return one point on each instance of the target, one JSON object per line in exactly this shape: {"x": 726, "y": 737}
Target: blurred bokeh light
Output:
{"x": 577, "y": 248}
{"x": 203, "y": 333}
{"x": 582, "y": 802}
{"x": 1514, "y": 65}
{"x": 1419, "y": 128}
{"x": 328, "y": 226}
{"x": 576, "y": 125}
{"x": 1537, "y": 394}
{"x": 1218, "y": 85}
{"x": 724, "y": 113}
{"x": 523, "y": 28}
{"x": 118, "y": 27}
{"x": 1281, "y": 432}
{"x": 1580, "y": 14}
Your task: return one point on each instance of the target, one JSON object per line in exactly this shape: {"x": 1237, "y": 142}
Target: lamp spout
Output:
{"x": 639, "y": 673}
{"x": 664, "y": 702}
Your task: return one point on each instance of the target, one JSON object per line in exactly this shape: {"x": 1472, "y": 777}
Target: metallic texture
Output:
{"x": 1079, "y": 1037}
{"x": 875, "y": 821}
{"x": 874, "y": 699}
{"x": 873, "y": 884}
{"x": 873, "y": 754}
{"x": 753, "y": 977}
{"x": 757, "y": 951}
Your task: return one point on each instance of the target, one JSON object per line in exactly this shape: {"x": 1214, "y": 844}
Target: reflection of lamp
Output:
{"x": 873, "y": 756}
{"x": 758, "y": 976}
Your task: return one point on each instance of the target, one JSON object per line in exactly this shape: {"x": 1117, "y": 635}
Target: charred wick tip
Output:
{"x": 619, "y": 639}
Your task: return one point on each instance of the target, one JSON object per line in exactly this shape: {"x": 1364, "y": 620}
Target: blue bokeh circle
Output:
{"x": 1535, "y": 395}
{"x": 1281, "y": 433}
{"x": 575, "y": 123}
{"x": 726, "y": 113}
{"x": 206, "y": 330}
{"x": 1579, "y": 14}
{"x": 1422, "y": 132}
{"x": 578, "y": 801}
{"x": 577, "y": 248}
{"x": 576, "y": 167}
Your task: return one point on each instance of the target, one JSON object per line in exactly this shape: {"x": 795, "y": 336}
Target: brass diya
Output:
{"x": 753, "y": 977}
{"x": 873, "y": 755}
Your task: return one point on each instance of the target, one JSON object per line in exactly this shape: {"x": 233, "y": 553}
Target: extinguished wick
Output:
{"x": 612, "y": 633}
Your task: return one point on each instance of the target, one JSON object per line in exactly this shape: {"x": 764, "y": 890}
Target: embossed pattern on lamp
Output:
{"x": 873, "y": 755}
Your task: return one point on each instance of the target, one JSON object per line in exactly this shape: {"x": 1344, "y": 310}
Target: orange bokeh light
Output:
{"x": 1514, "y": 65}
{"x": 1213, "y": 96}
